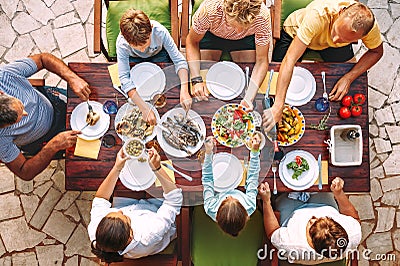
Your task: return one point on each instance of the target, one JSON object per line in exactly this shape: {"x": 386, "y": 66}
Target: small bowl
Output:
{"x": 132, "y": 148}
{"x": 262, "y": 144}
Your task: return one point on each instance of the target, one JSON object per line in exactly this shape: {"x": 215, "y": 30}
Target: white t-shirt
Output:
{"x": 293, "y": 240}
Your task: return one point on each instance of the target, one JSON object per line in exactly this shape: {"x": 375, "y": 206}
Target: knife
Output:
{"x": 320, "y": 172}
{"x": 267, "y": 104}
{"x": 189, "y": 178}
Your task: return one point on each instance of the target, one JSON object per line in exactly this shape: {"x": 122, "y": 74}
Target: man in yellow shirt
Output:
{"x": 328, "y": 27}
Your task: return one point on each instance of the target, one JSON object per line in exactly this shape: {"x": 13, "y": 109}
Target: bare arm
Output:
{"x": 270, "y": 222}
{"x": 27, "y": 169}
{"x": 147, "y": 113}
{"x": 155, "y": 165}
{"x": 345, "y": 206}
{"x": 370, "y": 58}
{"x": 106, "y": 188}
{"x": 55, "y": 65}
{"x": 185, "y": 98}
{"x": 295, "y": 51}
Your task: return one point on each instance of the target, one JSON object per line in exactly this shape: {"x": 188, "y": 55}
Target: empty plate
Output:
{"x": 78, "y": 121}
{"x": 137, "y": 175}
{"x": 306, "y": 179}
{"x": 149, "y": 79}
{"x": 301, "y": 88}
{"x": 225, "y": 80}
{"x": 227, "y": 171}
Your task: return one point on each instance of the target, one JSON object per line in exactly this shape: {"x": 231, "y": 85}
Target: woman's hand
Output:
{"x": 120, "y": 160}
{"x": 154, "y": 159}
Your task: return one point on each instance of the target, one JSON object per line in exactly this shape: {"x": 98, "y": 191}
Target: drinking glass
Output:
{"x": 110, "y": 107}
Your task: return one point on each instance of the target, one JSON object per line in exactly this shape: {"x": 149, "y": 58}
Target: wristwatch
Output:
{"x": 196, "y": 80}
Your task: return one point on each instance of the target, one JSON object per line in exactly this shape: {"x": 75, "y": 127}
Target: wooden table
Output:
{"x": 87, "y": 174}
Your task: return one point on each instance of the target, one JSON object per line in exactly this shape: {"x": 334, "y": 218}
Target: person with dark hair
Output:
{"x": 318, "y": 231}
{"x": 131, "y": 228}
{"x": 231, "y": 209}
{"x": 145, "y": 40}
{"x": 328, "y": 27}
{"x": 32, "y": 120}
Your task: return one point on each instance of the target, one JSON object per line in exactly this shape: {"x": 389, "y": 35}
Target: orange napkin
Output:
{"x": 243, "y": 182}
{"x": 113, "y": 69}
{"x": 87, "y": 148}
{"x": 264, "y": 85}
{"x": 170, "y": 173}
{"x": 324, "y": 165}
{"x": 203, "y": 74}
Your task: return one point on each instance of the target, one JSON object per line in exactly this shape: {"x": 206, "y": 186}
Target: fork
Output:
{"x": 274, "y": 168}
{"x": 89, "y": 106}
{"x": 324, "y": 95}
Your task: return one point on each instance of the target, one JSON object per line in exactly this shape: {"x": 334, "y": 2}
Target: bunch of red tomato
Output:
{"x": 352, "y": 105}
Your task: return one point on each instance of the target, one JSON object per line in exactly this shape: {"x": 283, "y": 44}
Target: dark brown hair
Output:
{"x": 135, "y": 26}
{"x": 362, "y": 17}
{"x": 112, "y": 235}
{"x": 328, "y": 237}
{"x": 231, "y": 216}
{"x": 8, "y": 115}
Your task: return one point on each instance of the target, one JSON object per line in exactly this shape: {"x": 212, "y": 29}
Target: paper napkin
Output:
{"x": 243, "y": 182}
{"x": 113, "y": 69}
{"x": 170, "y": 173}
{"x": 87, "y": 148}
{"x": 324, "y": 165}
{"x": 264, "y": 85}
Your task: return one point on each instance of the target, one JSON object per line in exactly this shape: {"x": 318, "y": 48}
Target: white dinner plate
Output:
{"x": 306, "y": 179}
{"x": 301, "y": 88}
{"x": 78, "y": 121}
{"x": 137, "y": 175}
{"x": 171, "y": 150}
{"x": 225, "y": 80}
{"x": 227, "y": 171}
{"x": 125, "y": 109}
{"x": 149, "y": 79}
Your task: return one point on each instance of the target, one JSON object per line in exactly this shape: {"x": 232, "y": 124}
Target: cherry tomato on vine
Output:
{"x": 347, "y": 100}
{"x": 359, "y": 98}
{"x": 344, "y": 112}
{"x": 356, "y": 110}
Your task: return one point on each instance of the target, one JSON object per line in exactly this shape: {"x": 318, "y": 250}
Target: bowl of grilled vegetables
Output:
{"x": 291, "y": 127}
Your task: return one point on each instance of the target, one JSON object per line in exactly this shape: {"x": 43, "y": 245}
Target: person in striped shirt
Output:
{"x": 32, "y": 116}
{"x": 240, "y": 27}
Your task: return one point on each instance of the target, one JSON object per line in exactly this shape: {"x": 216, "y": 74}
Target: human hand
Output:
{"x": 154, "y": 159}
{"x": 255, "y": 142}
{"x": 270, "y": 117}
{"x": 337, "y": 186}
{"x": 149, "y": 116}
{"x": 200, "y": 91}
{"x": 249, "y": 106}
{"x": 340, "y": 89}
{"x": 186, "y": 101}
{"x": 64, "y": 140}
{"x": 265, "y": 192}
{"x": 120, "y": 160}
{"x": 80, "y": 88}
{"x": 209, "y": 144}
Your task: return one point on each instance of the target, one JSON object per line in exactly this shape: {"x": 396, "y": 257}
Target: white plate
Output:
{"x": 168, "y": 148}
{"x": 227, "y": 171}
{"x": 149, "y": 79}
{"x": 225, "y": 80}
{"x": 301, "y": 88}
{"x": 78, "y": 121}
{"x": 137, "y": 175}
{"x": 125, "y": 109}
{"x": 306, "y": 179}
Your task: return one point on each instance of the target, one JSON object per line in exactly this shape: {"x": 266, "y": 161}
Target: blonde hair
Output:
{"x": 135, "y": 26}
{"x": 362, "y": 17}
{"x": 243, "y": 11}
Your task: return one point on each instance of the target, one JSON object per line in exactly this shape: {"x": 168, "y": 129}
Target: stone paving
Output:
{"x": 43, "y": 224}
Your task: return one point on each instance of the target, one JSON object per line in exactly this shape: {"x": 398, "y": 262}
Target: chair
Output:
{"x": 163, "y": 11}
{"x": 173, "y": 252}
{"x": 211, "y": 246}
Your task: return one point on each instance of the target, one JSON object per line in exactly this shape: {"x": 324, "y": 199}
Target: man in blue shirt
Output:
{"x": 30, "y": 117}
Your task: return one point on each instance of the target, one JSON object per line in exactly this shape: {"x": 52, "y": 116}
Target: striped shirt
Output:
{"x": 14, "y": 82}
{"x": 210, "y": 17}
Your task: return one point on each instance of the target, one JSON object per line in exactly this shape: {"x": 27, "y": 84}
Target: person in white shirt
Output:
{"x": 314, "y": 232}
{"x": 133, "y": 228}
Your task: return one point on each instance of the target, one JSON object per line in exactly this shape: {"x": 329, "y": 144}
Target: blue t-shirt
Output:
{"x": 14, "y": 82}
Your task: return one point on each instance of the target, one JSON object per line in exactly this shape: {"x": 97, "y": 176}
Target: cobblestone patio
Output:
{"x": 42, "y": 224}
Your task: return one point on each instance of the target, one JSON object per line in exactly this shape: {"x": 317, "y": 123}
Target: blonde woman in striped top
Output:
{"x": 240, "y": 27}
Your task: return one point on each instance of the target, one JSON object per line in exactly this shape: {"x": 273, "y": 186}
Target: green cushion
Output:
{"x": 170, "y": 249}
{"x": 288, "y": 6}
{"x": 334, "y": 263}
{"x": 211, "y": 246}
{"x": 155, "y": 9}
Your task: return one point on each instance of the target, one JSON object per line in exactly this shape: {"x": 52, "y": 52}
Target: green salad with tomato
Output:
{"x": 232, "y": 125}
{"x": 299, "y": 165}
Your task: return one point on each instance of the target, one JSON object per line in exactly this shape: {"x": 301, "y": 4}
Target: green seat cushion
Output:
{"x": 211, "y": 246}
{"x": 155, "y": 9}
{"x": 288, "y": 6}
{"x": 333, "y": 263}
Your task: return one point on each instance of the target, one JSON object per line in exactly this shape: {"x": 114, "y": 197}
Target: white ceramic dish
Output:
{"x": 149, "y": 79}
{"x": 78, "y": 121}
{"x": 141, "y": 155}
{"x": 227, "y": 171}
{"x": 137, "y": 175}
{"x": 262, "y": 144}
{"x": 225, "y": 80}
{"x": 306, "y": 179}
{"x": 345, "y": 152}
{"x": 301, "y": 88}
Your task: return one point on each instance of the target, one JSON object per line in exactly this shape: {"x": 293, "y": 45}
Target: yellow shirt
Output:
{"x": 313, "y": 25}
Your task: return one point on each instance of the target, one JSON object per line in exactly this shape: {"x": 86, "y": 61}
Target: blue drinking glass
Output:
{"x": 322, "y": 104}
{"x": 110, "y": 107}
